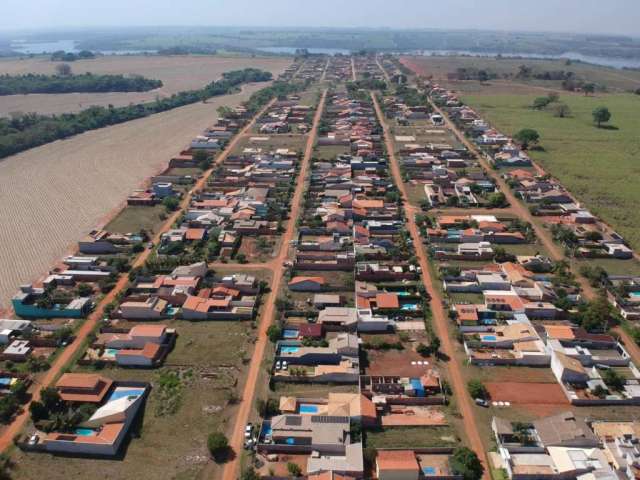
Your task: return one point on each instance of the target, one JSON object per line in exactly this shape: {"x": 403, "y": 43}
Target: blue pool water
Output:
{"x": 489, "y": 338}
{"x": 171, "y": 311}
{"x": 409, "y": 306}
{"x": 125, "y": 392}
{"x": 429, "y": 470}
{"x": 291, "y": 441}
{"x": 111, "y": 351}
{"x": 634, "y": 294}
{"x": 267, "y": 430}
{"x": 403, "y": 294}
{"x": 84, "y": 432}
{"x": 306, "y": 408}
{"x": 290, "y": 333}
{"x": 288, "y": 349}
{"x": 5, "y": 381}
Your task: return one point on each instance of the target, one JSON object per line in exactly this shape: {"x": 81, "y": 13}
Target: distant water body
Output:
{"x": 36, "y": 48}
{"x": 615, "y": 62}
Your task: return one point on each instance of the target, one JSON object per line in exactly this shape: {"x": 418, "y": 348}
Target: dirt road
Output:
{"x": 440, "y": 319}
{"x": 236, "y": 442}
{"x": 92, "y": 320}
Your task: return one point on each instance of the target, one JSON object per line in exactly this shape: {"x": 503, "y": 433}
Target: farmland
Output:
{"x": 52, "y": 195}
{"x": 597, "y": 165}
{"x": 177, "y": 73}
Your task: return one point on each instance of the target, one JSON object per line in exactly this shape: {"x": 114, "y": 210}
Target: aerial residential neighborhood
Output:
{"x": 343, "y": 241}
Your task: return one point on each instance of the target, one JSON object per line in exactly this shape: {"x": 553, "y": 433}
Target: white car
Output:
{"x": 278, "y": 365}
{"x": 248, "y": 431}
{"x": 285, "y": 365}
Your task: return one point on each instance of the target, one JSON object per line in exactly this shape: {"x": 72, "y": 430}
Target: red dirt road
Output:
{"x": 92, "y": 320}
{"x": 440, "y": 320}
{"x": 231, "y": 469}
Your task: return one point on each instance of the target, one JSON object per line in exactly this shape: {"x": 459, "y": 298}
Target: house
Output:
{"x": 105, "y": 431}
{"x": 345, "y": 317}
{"x": 17, "y": 351}
{"x": 151, "y": 308}
{"x": 12, "y": 328}
{"x": 306, "y": 284}
{"x": 565, "y": 430}
{"x": 397, "y": 465}
{"x": 83, "y": 387}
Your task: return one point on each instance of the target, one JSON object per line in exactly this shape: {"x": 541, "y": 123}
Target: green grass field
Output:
{"x": 598, "y": 165}
{"x": 135, "y": 218}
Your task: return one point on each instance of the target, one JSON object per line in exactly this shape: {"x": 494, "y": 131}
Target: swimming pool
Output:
{"x": 125, "y": 392}
{"x": 489, "y": 338}
{"x": 290, "y": 441}
{"x": 111, "y": 351}
{"x": 84, "y": 432}
{"x": 6, "y": 381}
{"x": 307, "y": 408}
{"x": 409, "y": 306}
{"x": 428, "y": 470}
{"x": 290, "y": 333}
{"x": 634, "y": 294}
{"x": 403, "y": 294}
{"x": 288, "y": 349}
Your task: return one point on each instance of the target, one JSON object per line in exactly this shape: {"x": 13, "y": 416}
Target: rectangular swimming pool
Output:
{"x": 125, "y": 392}
{"x": 290, "y": 333}
{"x": 307, "y": 408}
{"x": 489, "y": 338}
{"x": 288, "y": 349}
{"x": 84, "y": 432}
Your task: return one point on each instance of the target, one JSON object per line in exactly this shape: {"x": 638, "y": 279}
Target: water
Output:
{"x": 27, "y": 48}
{"x": 489, "y": 338}
{"x": 409, "y": 306}
{"x": 306, "y": 408}
{"x": 614, "y": 62}
{"x": 289, "y": 349}
{"x": 84, "y": 432}
{"x": 290, "y": 333}
{"x": 292, "y": 50}
{"x": 111, "y": 351}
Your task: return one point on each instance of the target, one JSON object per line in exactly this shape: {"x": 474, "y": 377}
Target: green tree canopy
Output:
{"x": 601, "y": 115}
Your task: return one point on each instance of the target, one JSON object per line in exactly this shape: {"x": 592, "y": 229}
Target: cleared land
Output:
{"x": 598, "y": 165}
{"x": 53, "y": 195}
{"x": 177, "y": 73}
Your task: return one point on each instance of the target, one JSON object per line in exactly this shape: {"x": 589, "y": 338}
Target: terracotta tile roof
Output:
{"x": 147, "y": 330}
{"x": 387, "y": 300}
{"x": 195, "y": 233}
{"x": 296, "y": 280}
{"x": 397, "y": 460}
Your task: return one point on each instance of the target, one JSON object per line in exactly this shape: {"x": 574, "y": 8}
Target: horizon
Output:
{"x": 571, "y": 16}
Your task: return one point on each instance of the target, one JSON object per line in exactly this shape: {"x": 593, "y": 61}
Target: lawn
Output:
{"x": 169, "y": 445}
{"x": 135, "y": 218}
{"x": 598, "y": 165}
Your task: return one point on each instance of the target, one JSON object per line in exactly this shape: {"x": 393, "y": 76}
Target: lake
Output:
{"x": 317, "y": 51}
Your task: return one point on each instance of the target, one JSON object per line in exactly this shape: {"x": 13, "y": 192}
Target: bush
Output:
{"x": 217, "y": 444}
{"x": 274, "y": 333}
{"x": 466, "y": 463}
{"x": 293, "y": 469}
{"x": 477, "y": 389}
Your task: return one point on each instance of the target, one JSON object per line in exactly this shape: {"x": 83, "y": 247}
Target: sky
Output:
{"x": 586, "y": 16}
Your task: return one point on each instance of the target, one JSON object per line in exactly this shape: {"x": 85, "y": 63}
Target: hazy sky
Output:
{"x": 612, "y": 16}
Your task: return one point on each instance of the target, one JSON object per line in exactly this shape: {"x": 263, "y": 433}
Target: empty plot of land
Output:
{"x": 529, "y": 393}
{"x": 177, "y": 73}
{"x": 53, "y": 195}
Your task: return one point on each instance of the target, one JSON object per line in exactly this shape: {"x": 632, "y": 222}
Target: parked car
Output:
{"x": 278, "y": 365}
{"x": 285, "y": 365}
{"x": 248, "y": 430}
{"x": 482, "y": 402}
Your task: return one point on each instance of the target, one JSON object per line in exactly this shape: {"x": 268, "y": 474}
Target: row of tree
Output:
{"x": 62, "y": 56}
{"x": 86, "y": 83}
{"x": 24, "y": 131}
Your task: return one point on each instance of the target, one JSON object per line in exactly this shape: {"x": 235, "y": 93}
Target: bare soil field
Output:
{"x": 51, "y": 196}
{"x": 178, "y": 73}
{"x": 527, "y": 393}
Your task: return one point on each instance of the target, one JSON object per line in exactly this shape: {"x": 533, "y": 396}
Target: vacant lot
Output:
{"x": 412, "y": 437}
{"x": 170, "y": 445}
{"x": 176, "y": 72}
{"x": 53, "y": 195}
{"x": 598, "y": 165}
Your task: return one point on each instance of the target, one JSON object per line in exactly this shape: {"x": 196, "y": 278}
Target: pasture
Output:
{"x": 177, "y": 73}
{"x": 598, "y": 165}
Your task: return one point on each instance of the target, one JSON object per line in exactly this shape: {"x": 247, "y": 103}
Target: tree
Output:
{"x": 526, "y": 137}
{"x": 84, "y": 290}
{"x": 561, "y": 110}
{"x": 217, "y": 444}
{"x": 202, "y": 159}
{"x": 423, "y": 350}
{"x": 294, "y": 469}
{"x": 477, "y": 389}
{"x": 466, "y": 463}
{"x": 274, "y": 333}
{"x": 597, "y": 315}
{"x": 601, "y": 115}
{"x": 540, "y": 102}
{"x": 588, "y": 88}
{"x": 435, "y": 344}
{"x": 497, "y": 200}
{"x": 613, "y": 379}
{"x": 170, "y": 203}
{"x": 63, "y": 69}
{"x": 51, "y": 399}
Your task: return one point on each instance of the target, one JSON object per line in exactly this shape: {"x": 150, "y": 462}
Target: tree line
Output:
{"x": 85, "y": 83}
{"x": 62, "y": 56}
{"x": 24, "y": 131}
